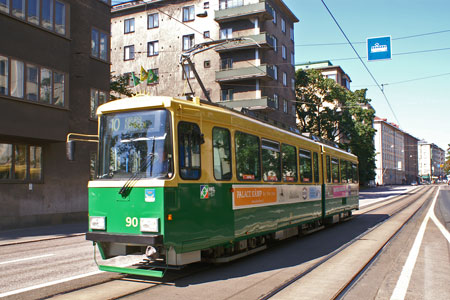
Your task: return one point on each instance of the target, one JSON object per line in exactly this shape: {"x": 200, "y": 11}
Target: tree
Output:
{"x": 447, "y": 161}
{"x": 328, "y": 110}
{"x": 119, "y": 86}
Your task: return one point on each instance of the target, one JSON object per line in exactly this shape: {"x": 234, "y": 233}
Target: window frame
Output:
{"x": 156, "y": 42}
{"x": 93, "y": 108}
{"x": 199, "y": 169}
{"x": 274, "y": 146}
{"x": 190, "y": 16}
{"x": 127, "y": 29}
{"x": 296, "y": 164}
{"x": 302, "y": 151}
{"x": 12, "y": 171}
{"x": 125, "y": 52}
{"x": 154, "y": 24}
{"x": 98, "y": 54}
{"x": 191, "y": 41}
{"x": 230, "y": 154}
{"x": 259, "y": 170}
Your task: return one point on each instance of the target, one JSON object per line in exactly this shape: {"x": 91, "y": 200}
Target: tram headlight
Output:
{"x": 97, "y": 223}
{"x": 149, "y": 224}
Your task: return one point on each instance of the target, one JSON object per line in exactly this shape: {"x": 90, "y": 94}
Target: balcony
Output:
{"x": 252, "y": 72}
{"x": 264, "y": 40}
{"x": 261, "y": 9}
{"x": 252, "y": 104}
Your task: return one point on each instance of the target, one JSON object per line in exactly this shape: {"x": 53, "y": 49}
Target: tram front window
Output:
{"x": 135, "y": 144}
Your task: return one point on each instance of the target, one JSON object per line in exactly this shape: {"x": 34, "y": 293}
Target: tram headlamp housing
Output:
{"x": 149, "y": 224}
{"x": 97, "y": 223}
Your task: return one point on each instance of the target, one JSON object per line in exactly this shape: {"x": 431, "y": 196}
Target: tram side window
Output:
{"x": 305, "y": 165}
{"x": 343, "y": 171}
{"x": 271, "y": 160}
{"x": 289, "y": 163}
{"x": 222, "y": 153}
{"x": 189, "y": 140}
{"x": 316, "y": 167}
{"x": 335, "y": 170}
{"x": 248, "y": 165}
{"x": 355, "y": 173}
{"x": 328, "y": 169}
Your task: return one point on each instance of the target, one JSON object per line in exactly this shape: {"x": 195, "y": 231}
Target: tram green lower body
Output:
{"x": 192, "y": 218}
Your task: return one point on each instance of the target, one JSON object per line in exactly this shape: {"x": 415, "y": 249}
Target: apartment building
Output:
{"x": 255, "y": 74}
{"x": 54, "y": 71}
{"x": 389, "y": 153}
{"x": 431, "y": 161}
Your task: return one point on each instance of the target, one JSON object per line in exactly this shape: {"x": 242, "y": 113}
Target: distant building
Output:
{"x": 328, "y": 71}
{"x": 255, "y": 74}
{"x": 54, "y": 71}
{"x": 431, "y": 161}
{"x": 411, "y": 158}
{"x": 390, "y": 153}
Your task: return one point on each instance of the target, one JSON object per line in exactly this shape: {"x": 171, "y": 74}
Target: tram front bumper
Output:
{"x": 103, "y": 237}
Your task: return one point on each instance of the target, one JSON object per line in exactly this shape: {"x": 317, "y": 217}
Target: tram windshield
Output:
{"x": 135, "y": 144}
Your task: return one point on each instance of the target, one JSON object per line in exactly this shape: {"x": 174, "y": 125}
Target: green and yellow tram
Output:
{"x": 182, "y": 181}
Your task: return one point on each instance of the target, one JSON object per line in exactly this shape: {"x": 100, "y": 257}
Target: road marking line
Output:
{"x": 441, "y": 227}
{"x": 24, "y": 259}
{"x": 401, "y": 287}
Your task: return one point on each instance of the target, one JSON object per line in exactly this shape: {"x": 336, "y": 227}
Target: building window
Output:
{"x": 284, "y": 79}
{"x": 45, "y": 91}
{"x": 293, "y": 84}
{"x": 153, "y": 76}
{"x": 275, "y": 99}
{"x": 292, "y": 59}
{"x": 207, "y": 64}
{"x": 206, "y": 5}
{"x": 188, "y": 41}
{"x": 187, "y": 70}
{"x": 17, "y": 78}
{"x": 97, "y": 98}
{"x": 275, "y": 72}
{"x": 99, "y": 44}
{"x": 58, "y": 89}
{"x": 206, "y": 34}
{"x": 275, "y": 44}
{"x": 4, "y": 70}
{"x": 224, "y": 4}
{"x": 291, "y": 33}
{"x": 129, "y": 25}
{"x": 18, "y": 8}
{"x": 128, "y": 52}
{"x": 32, "y": 84}
{"x": 283, "y": 52}
{"x": 60, "y": 17}
{"x": 283, "y": 25}
{"x": 226, "y": 33}
{"x": 188, "y": 13}
{"x": 274, "y": 15}
{"x": 285, "y": 106}
{"x": 153, "y": 48}
{"x": 20, "y": 163}
{"x": 153, "y": 21}
{"x": 49, "y": 14}
{"x": 226, "y": 63}
{"x": 226, "y": 95}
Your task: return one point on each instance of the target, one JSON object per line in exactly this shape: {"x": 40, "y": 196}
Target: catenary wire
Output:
{"x": 356, "y": 52}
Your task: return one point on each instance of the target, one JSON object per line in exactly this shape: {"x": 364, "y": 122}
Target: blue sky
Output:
{"x": 421, "y": 107}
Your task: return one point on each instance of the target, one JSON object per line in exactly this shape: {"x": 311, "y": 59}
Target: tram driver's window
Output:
{"x": 189, "y": 141}
{"x": 222, "y": 154}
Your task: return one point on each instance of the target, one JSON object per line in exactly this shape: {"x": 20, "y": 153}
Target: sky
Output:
{"x": 416, "y": 80}
{"x": 420, "y": 107}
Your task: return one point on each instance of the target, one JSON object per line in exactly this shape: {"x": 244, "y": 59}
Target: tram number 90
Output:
{"x": 132, "y": 222}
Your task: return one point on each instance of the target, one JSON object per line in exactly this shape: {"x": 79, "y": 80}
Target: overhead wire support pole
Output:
{"x": 199, "y": 48}
{"x": 365, "y": 66}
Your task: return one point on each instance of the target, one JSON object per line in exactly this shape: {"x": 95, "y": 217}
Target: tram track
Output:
{"x": 400, "y": 204}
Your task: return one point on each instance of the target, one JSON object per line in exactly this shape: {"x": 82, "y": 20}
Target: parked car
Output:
{"x": 414, "y": 183}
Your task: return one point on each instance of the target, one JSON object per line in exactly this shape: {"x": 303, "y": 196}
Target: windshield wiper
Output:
{"x": 125, "y": 190}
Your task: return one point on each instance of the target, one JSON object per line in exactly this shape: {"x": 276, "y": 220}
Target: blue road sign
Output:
{"x": 379, "y": 48}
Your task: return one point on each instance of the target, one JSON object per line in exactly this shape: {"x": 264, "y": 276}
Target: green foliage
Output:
{"x": 447, "y": 161}
{"x": 327, "y": 110}
{"x": 119, "y": 85}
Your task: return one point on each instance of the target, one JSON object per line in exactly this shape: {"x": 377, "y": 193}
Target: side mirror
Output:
{"x": 70, "y": 150}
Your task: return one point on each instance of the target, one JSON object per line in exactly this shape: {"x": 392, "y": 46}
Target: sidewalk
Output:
{"x": 25, "y": 235}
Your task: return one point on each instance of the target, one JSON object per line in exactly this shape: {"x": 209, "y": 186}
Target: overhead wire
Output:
{"x": 365, "y": 66}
